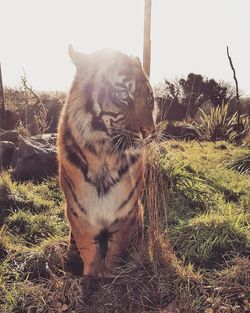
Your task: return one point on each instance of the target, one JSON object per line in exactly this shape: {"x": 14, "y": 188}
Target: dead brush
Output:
{"x": 155, "y": 207}
{"x": 144, "y": 280}
{"x": 231, "y": 287}
{"x": 148, "y": 279}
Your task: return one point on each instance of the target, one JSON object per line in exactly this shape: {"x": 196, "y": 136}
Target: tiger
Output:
{"x": 105, "y": 123}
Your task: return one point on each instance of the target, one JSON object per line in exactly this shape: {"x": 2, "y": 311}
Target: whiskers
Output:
{"x": 160, "y": 134}
{"x": 124, "y": 140}
{"x": 121, "y": 140}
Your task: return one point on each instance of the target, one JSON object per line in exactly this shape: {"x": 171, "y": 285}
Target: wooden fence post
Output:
{"x": 147, "y": 40}
{"x": 2, "y": 104}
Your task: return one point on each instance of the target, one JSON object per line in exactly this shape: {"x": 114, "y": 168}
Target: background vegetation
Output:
{"x": 195, "y": 260}
{"x": 194, "y": 254}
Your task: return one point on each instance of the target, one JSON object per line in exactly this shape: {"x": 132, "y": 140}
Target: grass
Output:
{"x": 205, "y": 240}
{"x": 33, "y": 229}
{"x": 241, "y": 164}
{"x": 194, "y": 256}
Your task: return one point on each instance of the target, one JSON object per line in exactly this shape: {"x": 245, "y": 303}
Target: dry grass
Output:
{"x": 45, "y": 277}
{"x": 146, "y": 279}
{"x": 141, "y": 283}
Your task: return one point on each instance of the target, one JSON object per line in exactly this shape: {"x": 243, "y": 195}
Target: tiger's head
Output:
{"x": 111, "y": 99}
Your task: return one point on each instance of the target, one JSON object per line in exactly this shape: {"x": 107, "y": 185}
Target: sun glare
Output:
{"x": 186, "y": 36}
{"x": 39, "y": 32}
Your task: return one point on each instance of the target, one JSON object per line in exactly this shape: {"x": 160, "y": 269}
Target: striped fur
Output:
{"x": 103, "y": 127}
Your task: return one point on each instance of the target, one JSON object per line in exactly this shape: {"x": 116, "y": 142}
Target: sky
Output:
{"x": 186, "y": 36}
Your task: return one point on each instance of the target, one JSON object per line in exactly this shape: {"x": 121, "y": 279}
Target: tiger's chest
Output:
{"x": 103, "y": 178}
{"x": 109, "y": 189}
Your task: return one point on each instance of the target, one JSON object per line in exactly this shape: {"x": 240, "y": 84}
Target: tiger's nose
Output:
{"x": 146, "y": 132}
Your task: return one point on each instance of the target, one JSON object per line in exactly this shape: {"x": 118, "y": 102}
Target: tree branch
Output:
{"x": 237, "y": 91}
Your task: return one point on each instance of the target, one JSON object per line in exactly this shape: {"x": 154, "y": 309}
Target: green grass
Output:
{"x": 38, "y": 197}
{"x": 207, "y": 239}
{"x": 33, "y": 229}
{"x": 241, "y": 164}
{"x": 196, "y": 260}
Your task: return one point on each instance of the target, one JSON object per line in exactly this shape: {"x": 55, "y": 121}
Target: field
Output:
{"x": 194, "y": 255}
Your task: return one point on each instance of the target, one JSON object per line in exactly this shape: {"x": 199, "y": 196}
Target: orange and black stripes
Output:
{"x": 130, "y": 195}
{"x": 102, "y": 240}
{"x": 108, "y": 112}
{"x": 71, "y": 187}
{"x": 103, "y": 182}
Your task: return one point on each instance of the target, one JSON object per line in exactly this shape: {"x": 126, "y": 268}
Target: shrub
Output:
{"x": 179, "y": 99}
{"x": 30, "y": 111}
{"x": 241, "y": 164}
{"x": 218, "y": 125}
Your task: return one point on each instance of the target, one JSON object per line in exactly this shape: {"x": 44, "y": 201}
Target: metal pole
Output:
{"x": 147, "y": 40}
{"x": 2, "y": 104}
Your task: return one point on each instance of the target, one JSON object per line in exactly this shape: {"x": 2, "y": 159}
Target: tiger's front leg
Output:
{"x": 123, "y": 232}
{"x": 84, "y": 236}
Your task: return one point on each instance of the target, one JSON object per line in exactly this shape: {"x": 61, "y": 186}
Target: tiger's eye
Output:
{"x": 123, "y": 95}
{"x": 149, "y": 98}
{"x": 150, "y": 101}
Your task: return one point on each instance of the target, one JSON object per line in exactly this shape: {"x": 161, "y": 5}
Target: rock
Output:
{"x": 45, "y": 139}
{"x": 9, "y": 135}
{"x": 36, "y": 158}
{"x": 8, "y": 152}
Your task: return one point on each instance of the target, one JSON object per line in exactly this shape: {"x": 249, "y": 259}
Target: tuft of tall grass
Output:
{"x": 33, "y": 229}
{"x": 241, "y": 164}
{"x": 36, "y": 198}
{"x": 206, "y": 239}
{"x": 218, "y": 125}
{"x": 179, "y": 191}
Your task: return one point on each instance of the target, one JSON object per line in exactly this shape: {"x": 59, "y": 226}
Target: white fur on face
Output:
{"x": 129, "y": 84}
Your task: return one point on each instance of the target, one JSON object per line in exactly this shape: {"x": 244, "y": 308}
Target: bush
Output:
{"x": 218, "y": 125}
{"x": 181, "y": 98}
{"x": 241, "y": 164}
{"x": 32, "y": 112}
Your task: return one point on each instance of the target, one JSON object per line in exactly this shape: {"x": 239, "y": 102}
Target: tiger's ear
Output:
{"x": 77, "y": 58}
